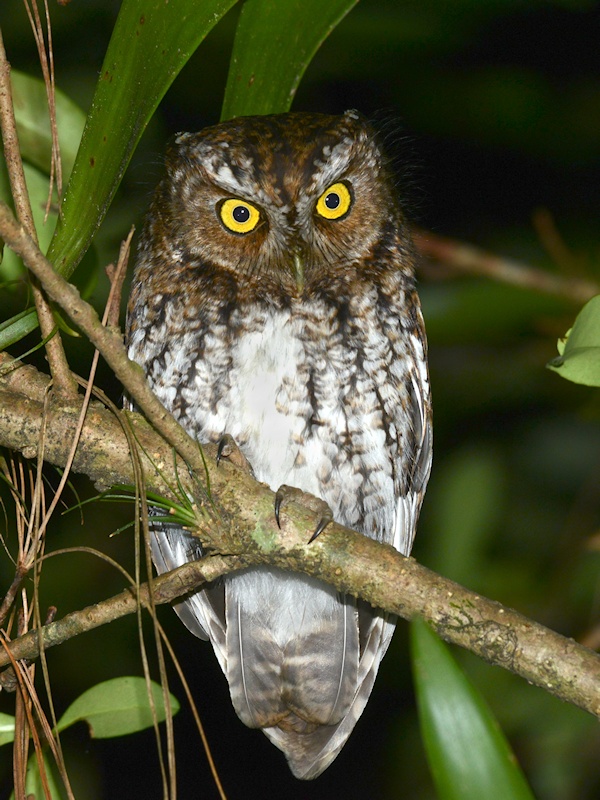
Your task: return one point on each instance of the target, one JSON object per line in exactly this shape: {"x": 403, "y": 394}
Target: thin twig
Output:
{"x": 468, "y": 258}
{"x": 119, "y": 273}
{"x": 64, "y": 383}
{"x": 46, "y": 57}
{"x": 195, "y": 714}
{"x": 248, "y": 534}
{"x": 116, "y": 276}
{"x": 554, "y": 244}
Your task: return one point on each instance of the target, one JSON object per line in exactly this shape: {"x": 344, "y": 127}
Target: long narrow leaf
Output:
{"x": 151, "y": 42}
{"x": 468, "y": 754}
{"x": 274, "y": 43}
{"x": 33, "y": 123}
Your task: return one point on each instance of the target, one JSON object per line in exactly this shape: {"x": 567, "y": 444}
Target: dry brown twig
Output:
{"x": 245, "y": 531}
{"x": 64, "y": 384}
{"x": 46, "y": 57}
{"x": 475, "y": 261}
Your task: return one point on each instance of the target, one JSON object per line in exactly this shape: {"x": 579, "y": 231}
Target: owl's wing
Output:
{"x": 416, "y": 454}
{"x": 310, "y": 754}
{"x": 202, "y": 613}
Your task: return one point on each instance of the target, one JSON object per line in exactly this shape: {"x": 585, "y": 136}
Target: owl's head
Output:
{"x": 282, "y": 202}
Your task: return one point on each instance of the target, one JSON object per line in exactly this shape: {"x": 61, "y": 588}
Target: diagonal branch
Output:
{"x": 244, "y": 523}
{"x": 244, "y": 531}
{"x": 108, "y": 341}
{"x": 473, "y": 260}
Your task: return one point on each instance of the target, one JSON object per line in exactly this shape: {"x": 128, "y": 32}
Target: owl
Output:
{"x": 274, "y": 301}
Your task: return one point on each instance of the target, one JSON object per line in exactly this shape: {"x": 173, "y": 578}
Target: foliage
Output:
{"x": 501, "y": 128}
{"x": 111, "y": 708}
{"x": 469, "y": 757}
{"x": 579, "y": 351}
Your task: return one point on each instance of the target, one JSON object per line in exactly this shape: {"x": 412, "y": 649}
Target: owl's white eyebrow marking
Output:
{"x": 330, "y": 165}
{"x": 220, "y": 171}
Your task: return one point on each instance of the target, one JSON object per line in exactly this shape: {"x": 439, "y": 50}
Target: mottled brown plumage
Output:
{"x": 274, "y": 300}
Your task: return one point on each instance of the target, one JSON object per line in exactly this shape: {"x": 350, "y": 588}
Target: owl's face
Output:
{"x": 278, "y": 201}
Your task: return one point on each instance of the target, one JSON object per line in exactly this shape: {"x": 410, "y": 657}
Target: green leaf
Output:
{"x": 37, "y": 188}
{"x": 33, "y": 123}
{"x": 579, "y": 350}
{"x": 12, "y": 269}
{"x": 151, "y": 42}
{"x": 274, "y": 43}
{"x": 117, "y": 707}
{"x": 468, "y": 754}
{"x": 34, "y": 787}
{"x": 7, "y": 729}
{"x": 14, "y": 329}
{"x": 468, "y": 502}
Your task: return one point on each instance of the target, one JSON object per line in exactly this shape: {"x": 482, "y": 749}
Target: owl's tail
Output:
{"x": 301, "y": 662}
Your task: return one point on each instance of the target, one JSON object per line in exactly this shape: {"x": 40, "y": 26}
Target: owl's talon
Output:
{"x": 279, "y": 495}
{"x": 286, "y": 494}
{"x": 228, "y": 448}
{"x": 323, "y": 523}
{"x": 224, "y": 447}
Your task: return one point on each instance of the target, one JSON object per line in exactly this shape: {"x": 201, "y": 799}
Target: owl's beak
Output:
{"x": 298, "y": 267}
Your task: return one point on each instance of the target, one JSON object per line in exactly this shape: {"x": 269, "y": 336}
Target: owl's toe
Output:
{"x": 228, "y": 449}
{"x": 286, "y": 494}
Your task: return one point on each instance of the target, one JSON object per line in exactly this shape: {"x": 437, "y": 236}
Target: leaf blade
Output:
{"x": 7, "y": 728}
{"x": 469, "y": 756}
{"x": 116, "y": 707}
{"x": 274, "y": 43}
{"x": 579, "y": 351}
{"x": 151, "y": 42}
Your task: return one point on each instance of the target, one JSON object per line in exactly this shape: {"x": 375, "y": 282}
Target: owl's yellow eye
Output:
{"x": 334, "y": 202}
{"x": 239, "y": 216}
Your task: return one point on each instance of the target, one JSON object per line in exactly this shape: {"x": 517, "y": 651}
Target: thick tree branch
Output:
{"x": 242, "y": 528}
{"x": 236, "y": 517}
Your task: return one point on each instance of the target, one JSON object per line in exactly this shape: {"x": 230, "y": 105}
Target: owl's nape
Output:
{"x": 273, "y": 302}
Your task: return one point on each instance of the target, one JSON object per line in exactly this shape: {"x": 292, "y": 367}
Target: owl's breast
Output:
{"x": 308, "y": 405}
{"x": 312, "y": 402}
{"x": 265, "y": 405}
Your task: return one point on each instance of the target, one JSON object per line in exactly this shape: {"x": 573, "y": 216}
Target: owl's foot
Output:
{"x": 287, "y": 494}
{"x": 228, "y": 448}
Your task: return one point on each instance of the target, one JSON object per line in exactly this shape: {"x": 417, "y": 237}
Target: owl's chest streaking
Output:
{"x": 315, "y": 394}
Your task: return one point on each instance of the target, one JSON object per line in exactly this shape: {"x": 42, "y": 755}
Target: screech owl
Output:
{"x": 274, "y": 301}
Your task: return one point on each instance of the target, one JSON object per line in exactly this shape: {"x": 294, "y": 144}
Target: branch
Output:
{"x": 245, "y": 532}
{"x": 244, "y": 523}
{"x": 468, "y": 258}
{"x": 63, "y": 380}
{"x": 109, "y": 341}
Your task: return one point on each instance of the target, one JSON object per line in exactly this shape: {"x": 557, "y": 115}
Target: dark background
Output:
{"x": 492, "y": 111}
